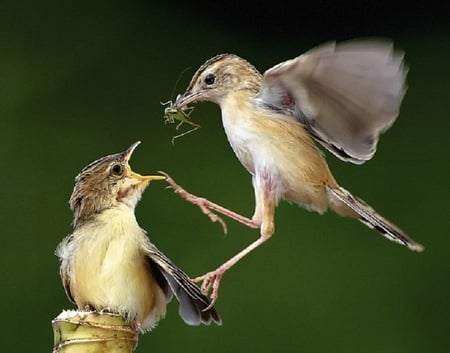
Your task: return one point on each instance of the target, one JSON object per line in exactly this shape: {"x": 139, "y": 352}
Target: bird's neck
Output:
{"x": 113, "y": 231}
{"x": 238, "y": 119}
{"x": 115, "y": 227}
{"x": 237, "y": 107}
{"x": 121, "y": 216}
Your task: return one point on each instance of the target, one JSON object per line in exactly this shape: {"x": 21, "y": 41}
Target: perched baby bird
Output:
{"x": 108, "y": 262}
{"x": 342, "y": 95}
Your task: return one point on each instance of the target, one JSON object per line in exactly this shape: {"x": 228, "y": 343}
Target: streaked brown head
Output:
{"x": 105, "y": 183}
{"x": 219, "y": 76}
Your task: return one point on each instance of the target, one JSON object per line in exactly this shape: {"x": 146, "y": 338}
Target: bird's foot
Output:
{"x": 201, "y": 202}
{"x": 210, "y": 283}
{"x": 106, "y": 310}
{"x": 88, "y": 307}
{"x": 204, "y": 205}
{"x": 208, "y": 207}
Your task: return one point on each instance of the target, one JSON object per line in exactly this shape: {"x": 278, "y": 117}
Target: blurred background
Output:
{"x": 80, "y": 80}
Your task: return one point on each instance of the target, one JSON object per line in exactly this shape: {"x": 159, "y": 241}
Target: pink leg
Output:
{"x": 211, "y": 280}
{"x": 206, "y": 206}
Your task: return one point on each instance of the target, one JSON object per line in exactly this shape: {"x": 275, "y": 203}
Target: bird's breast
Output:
{"x": 278, "y": 148}
{"x": 241, "y": 131}
{"x": 110, "y": 271}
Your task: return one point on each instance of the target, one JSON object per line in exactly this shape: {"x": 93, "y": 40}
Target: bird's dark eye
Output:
{"x": 210, "y": 79}
{"x": 117, "y": 169}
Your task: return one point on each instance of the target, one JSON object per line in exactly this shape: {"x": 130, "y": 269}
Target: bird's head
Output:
{"x": 106, "y": 183}
{"x": 218, "y": 77}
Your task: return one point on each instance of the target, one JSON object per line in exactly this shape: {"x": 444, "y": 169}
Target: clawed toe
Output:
{"x": 211, "y": 283}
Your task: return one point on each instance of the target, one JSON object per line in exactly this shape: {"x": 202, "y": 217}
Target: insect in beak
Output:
{"x": 174, "y": 114}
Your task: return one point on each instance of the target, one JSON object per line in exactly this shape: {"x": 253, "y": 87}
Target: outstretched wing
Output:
{"x": 345, "y": 94}
{"x": 192, "y": 302}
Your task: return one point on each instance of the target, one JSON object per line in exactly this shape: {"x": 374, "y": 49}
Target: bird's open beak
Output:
{"x": 184, "y": 99}
{"x": 127, "y": 154}
{"x": 146, "y": 178}
{"x": 139, "y": 177}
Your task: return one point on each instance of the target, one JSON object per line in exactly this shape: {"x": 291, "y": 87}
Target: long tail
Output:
{"x": 369, "y": 217}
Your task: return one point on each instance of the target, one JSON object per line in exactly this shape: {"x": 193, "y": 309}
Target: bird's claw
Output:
{"x": 211, "y": 282}
{"x": 201, "y": 202}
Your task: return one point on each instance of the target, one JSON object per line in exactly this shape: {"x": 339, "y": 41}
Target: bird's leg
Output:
{"x": 211, "y": 280}
{"x": 257, "y": 215}
{"x": 207, "y": 206}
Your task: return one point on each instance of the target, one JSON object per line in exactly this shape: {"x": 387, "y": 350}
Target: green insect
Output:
{"x": 172, "y": 115}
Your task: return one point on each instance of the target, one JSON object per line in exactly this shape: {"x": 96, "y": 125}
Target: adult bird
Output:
{"x": 341, "y": 95}
{"x": 109, "y": 264}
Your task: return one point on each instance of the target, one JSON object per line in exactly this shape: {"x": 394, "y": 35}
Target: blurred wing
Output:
{"x": 192, "y": 302}
{"x": 345, "y": 94}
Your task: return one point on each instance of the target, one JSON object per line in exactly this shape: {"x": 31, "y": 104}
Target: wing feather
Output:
{"x": 346, "y": 94}
{"x": 192, "y": 302}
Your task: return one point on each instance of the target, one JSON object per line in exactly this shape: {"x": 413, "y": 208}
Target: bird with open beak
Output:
{"x": 340, "y": 95}
{"x": 109, "y": 264}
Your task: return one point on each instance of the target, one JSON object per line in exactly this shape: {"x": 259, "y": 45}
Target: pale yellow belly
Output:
{"x": 118, "y": 280}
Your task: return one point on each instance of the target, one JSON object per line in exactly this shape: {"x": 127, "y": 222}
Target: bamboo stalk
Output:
{"x": 77, "y": 331}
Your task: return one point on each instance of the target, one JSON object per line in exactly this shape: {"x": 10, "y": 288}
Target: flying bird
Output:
{"x": 339, "y": 95}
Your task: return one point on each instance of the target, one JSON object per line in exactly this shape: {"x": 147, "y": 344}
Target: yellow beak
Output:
{"x": 147, "y": 178}
{"x": 142, "y": 178}
{"x": 127, "y": 154}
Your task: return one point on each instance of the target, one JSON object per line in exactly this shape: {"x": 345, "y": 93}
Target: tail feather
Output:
{"x": 371, "y": 218}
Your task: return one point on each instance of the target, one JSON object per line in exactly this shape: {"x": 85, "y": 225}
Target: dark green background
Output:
{"x": 81, "y": 80}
